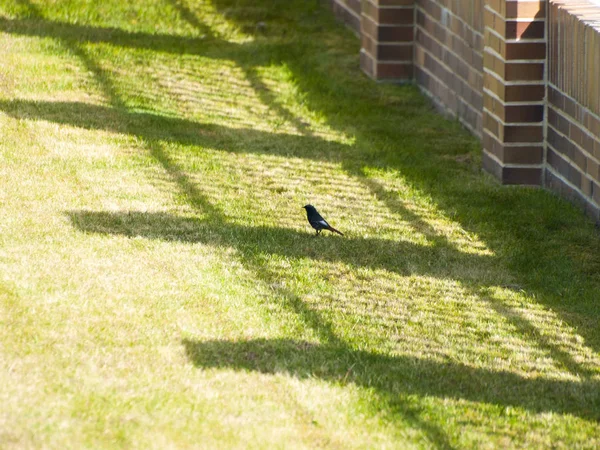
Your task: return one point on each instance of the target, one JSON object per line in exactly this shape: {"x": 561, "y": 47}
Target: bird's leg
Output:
{"x": 318, "y": 232}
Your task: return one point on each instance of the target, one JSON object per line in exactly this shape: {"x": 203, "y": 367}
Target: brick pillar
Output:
{"x": 387, "y": 39}
{"x": 348, "y": 11}
{"x": 514, "y": 90}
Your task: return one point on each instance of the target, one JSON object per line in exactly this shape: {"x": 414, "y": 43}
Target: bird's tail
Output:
{"x": 335, "y": 231}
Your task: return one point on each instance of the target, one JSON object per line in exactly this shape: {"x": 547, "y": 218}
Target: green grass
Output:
{"x": 161, "y": 288}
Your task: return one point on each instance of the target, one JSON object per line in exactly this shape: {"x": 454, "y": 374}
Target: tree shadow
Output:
{"x": 252, "y": 243}
{"x": 204, "y": 44}
{"x": 404, "y": 258}
{"x": 526, "y": 240}
{"x": 423, "y": 164}
{"x": 154, "y": 127}
{"x": 440, "y": 259}
{"x": 394, "y": 376}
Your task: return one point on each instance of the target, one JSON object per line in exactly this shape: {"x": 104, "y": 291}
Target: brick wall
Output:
{"x": 387, "y": 29}
{"x": 348, "y": 11}
{"x": 573, "y": 102}
{"x": 523, "y": 75}
{"x": 449, "y": 56}
{"x": 514, "y": 90}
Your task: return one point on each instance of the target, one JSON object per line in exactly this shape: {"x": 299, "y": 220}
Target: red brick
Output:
{"x": 394, "y": 52}
{"x": 493, "y": 63}
{"x": 495, "y": 85}
{"x": 524, "y": 30}
{"x": 523, "y": 133}
{"x": 563, "y": 167}
{"x": 557, "y": 121}
{"x": 499, "y": 6}
{"x": 491, "y": 165}
{"x": 593, "y": 169}
{"x": 345, "y": 14}
{"x": 491, "y": 124}
{"x": 592, "y": 124}
{"x": 368, "y": 27}
{"x": 556, "y": 184}
{"x": 556, "y": 141}
{"x": 586, "y": 187}
{"x": 574, "y": 176}
{"x": 514, "y": 113}
{"x": 524, "y": 71}
{"x": 394, "y": 71}
{"x": 367, "y": 64}
{"x": 387, "y": 33}
{"x": 588, "y": 143}
{"x": 575, "y": 134}
{"x": 524, "y": 10}
{"x": 531, "y": 154}
{"x": 596, "y": 193}
{"x": 398, "y": 33}
{"x": 354, "y": 5}
{"x": 369, "y": 46}
{"x": 524, "y": 155}
{"x": 395, "y": 2}
{"x": 570, "y": 107}
{"x": 523, "y": 113}
{"x": 431, "y": 8}
{"x": 522, "y": 175}
{"x": 395, "y": 16}
{"x": 555, "y": 97}
{"x": 524, "y": 93}
{"x": 429, "y": 44}
{"x": 579, "y": 159}
{"x": 557, "y": 163}
{"x": 525, "y": 50}
{"x": 370, "y": 10}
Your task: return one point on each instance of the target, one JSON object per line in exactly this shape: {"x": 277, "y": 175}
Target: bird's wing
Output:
{"x": 314, "y": 215}
{"x": 323, "y": 223}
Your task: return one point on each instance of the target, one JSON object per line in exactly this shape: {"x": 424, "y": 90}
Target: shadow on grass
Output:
{"x": 153, "y": 127}
{"x": 203, "y": 45}
{"x": 394, "y": 256}
{"x": 529, "y": 231}
{"x": 526, "y": 239}
{"x": 394, "y": 376}
{"x": 441, "y": 258}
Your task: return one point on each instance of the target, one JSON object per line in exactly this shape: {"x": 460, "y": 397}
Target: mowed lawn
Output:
{"x": 160, "y": 286}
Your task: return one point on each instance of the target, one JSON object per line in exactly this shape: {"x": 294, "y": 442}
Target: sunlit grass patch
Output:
{"x": 161, "y": 287}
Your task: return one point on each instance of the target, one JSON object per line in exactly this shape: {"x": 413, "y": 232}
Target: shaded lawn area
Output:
{"x": 162, "y": 288}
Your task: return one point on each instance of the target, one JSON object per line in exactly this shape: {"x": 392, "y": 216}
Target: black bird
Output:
{"x": 317, "y": 222}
